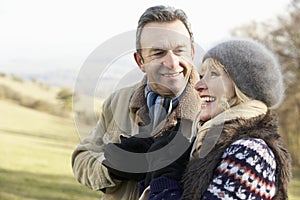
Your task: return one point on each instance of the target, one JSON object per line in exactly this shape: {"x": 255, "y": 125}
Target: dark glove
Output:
{"x": 137, "y": 144}
{"x": 117, "y": 160}
{"x": 172, "y": 161}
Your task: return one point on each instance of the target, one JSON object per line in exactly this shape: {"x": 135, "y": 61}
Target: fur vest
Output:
{"x": 200, "y": 171}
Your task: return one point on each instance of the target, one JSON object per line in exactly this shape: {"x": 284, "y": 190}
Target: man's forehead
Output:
{"x": 165, "y": 46}
{"x": 159, "y": 38}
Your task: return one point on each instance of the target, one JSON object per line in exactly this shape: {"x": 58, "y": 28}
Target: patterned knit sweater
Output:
{"x": 241, "y": 163}
{"x": 247, "y": 171}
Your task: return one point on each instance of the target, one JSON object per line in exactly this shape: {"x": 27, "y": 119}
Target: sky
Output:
{"x": 41, "y": 35}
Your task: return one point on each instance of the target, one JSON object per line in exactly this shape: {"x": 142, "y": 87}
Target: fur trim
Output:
{"x": 200, "y": 172}
{"x": 187, "y": 108}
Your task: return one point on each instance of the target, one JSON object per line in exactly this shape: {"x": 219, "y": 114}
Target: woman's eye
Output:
{"x": 214, "y": 73}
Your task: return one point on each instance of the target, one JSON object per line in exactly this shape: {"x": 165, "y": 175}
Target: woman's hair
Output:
{"x": 253, "y": 68}
{"x": 215, "y": 64}
{"x": 161, "y": 14}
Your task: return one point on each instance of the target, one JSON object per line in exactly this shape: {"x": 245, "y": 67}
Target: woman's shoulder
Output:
{"x": 247, "y": 171}
{"x": 252, "y": 155}
{"x": 250, "y": 149}
{"x": 247, "y": 147}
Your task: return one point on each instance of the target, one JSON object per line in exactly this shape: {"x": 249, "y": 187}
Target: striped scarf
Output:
{"x": 159, "y": 107}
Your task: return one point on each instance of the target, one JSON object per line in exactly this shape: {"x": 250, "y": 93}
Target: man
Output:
{"x": 165, "y": 52}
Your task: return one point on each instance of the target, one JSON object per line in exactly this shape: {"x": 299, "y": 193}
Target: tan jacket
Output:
{"x": 121, "y": 114}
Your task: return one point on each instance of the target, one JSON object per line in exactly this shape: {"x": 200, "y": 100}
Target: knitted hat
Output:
{"x": 253, "y": 68}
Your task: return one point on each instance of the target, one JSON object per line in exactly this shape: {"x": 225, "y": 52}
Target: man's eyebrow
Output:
{"x": 166, "y": 48}
{"x": 157, "y": 49}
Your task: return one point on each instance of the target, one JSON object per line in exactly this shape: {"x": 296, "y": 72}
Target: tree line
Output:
{"x": 282, "y": 36}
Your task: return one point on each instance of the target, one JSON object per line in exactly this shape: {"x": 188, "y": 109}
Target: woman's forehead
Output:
{"x": 208, "y": 64}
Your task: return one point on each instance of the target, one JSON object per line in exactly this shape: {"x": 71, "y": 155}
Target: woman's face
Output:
{"x": 216, "y": 91}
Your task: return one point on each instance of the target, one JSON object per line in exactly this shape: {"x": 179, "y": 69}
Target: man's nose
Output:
{"x": 170, "y": 60}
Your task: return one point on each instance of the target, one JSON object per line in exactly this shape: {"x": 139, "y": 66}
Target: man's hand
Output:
{"x": 176, "y": 151}
{"x": 115, "y": 160}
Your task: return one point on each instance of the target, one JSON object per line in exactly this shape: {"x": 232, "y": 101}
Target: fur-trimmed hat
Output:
{"x": 253, "y": 68}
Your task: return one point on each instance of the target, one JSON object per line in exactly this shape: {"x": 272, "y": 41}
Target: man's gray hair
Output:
{"x": 161, "y": 14}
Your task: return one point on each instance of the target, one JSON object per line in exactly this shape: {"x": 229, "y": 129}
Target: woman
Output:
{"x": 237, "y": 152}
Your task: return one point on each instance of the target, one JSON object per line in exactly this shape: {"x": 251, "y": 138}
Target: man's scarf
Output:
{"x": 159, "y": 107}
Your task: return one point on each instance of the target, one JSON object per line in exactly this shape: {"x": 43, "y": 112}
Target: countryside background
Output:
{"x": 38, "y": 133}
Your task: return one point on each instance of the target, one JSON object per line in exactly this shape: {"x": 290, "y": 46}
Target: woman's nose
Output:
{"x": 200, "y": 85}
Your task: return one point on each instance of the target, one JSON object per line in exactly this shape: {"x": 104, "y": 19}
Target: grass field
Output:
{"x": 35, "y": 157}
{"x": 294, "y": 189}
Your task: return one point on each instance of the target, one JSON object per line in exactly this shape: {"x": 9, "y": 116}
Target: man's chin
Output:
{"x": 176, "y": 91}
{"x": 179, "y": 87}
{"x": 166, "y": 92}
{"x": 170, "y": 89}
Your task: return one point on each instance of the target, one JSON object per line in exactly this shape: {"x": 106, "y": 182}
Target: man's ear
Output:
{"x": 139, "y": 61}
{"x": 193, "y": 53}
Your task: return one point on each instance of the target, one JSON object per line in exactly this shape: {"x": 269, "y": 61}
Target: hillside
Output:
{"x": 47, "y": 98}
{"x": 35, "y": 160}
{"x": 36, "y": 145}
{"x": 33, "y": 89}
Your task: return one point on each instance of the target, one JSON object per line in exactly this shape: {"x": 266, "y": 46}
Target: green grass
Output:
{"x": 35, "y": 156}
{"x": 294, "y": 188}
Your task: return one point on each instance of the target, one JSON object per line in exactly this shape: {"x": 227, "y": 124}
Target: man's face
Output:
{"x": 167, "y": 57}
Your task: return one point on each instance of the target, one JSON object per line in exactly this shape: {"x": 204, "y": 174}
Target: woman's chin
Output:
{"x": 205, "y": 117}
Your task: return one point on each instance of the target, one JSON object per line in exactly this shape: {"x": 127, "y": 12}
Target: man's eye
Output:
{"x": 158, "y": 53}
{"x": 179, "y": 51}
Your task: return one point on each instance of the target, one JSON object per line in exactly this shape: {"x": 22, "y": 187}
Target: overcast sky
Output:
{"x": 38, "y": 35}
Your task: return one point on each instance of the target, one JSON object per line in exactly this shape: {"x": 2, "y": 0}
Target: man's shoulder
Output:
{"x": 121, "y": 96}
{"x": 125, "y": 91}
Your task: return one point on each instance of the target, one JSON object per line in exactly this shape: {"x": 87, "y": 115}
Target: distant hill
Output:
{"x": 91, "y": 82}
{"x": 30, "y": 88}
{"x": 34, "y": 94}
{"x": 55, "y": 77}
